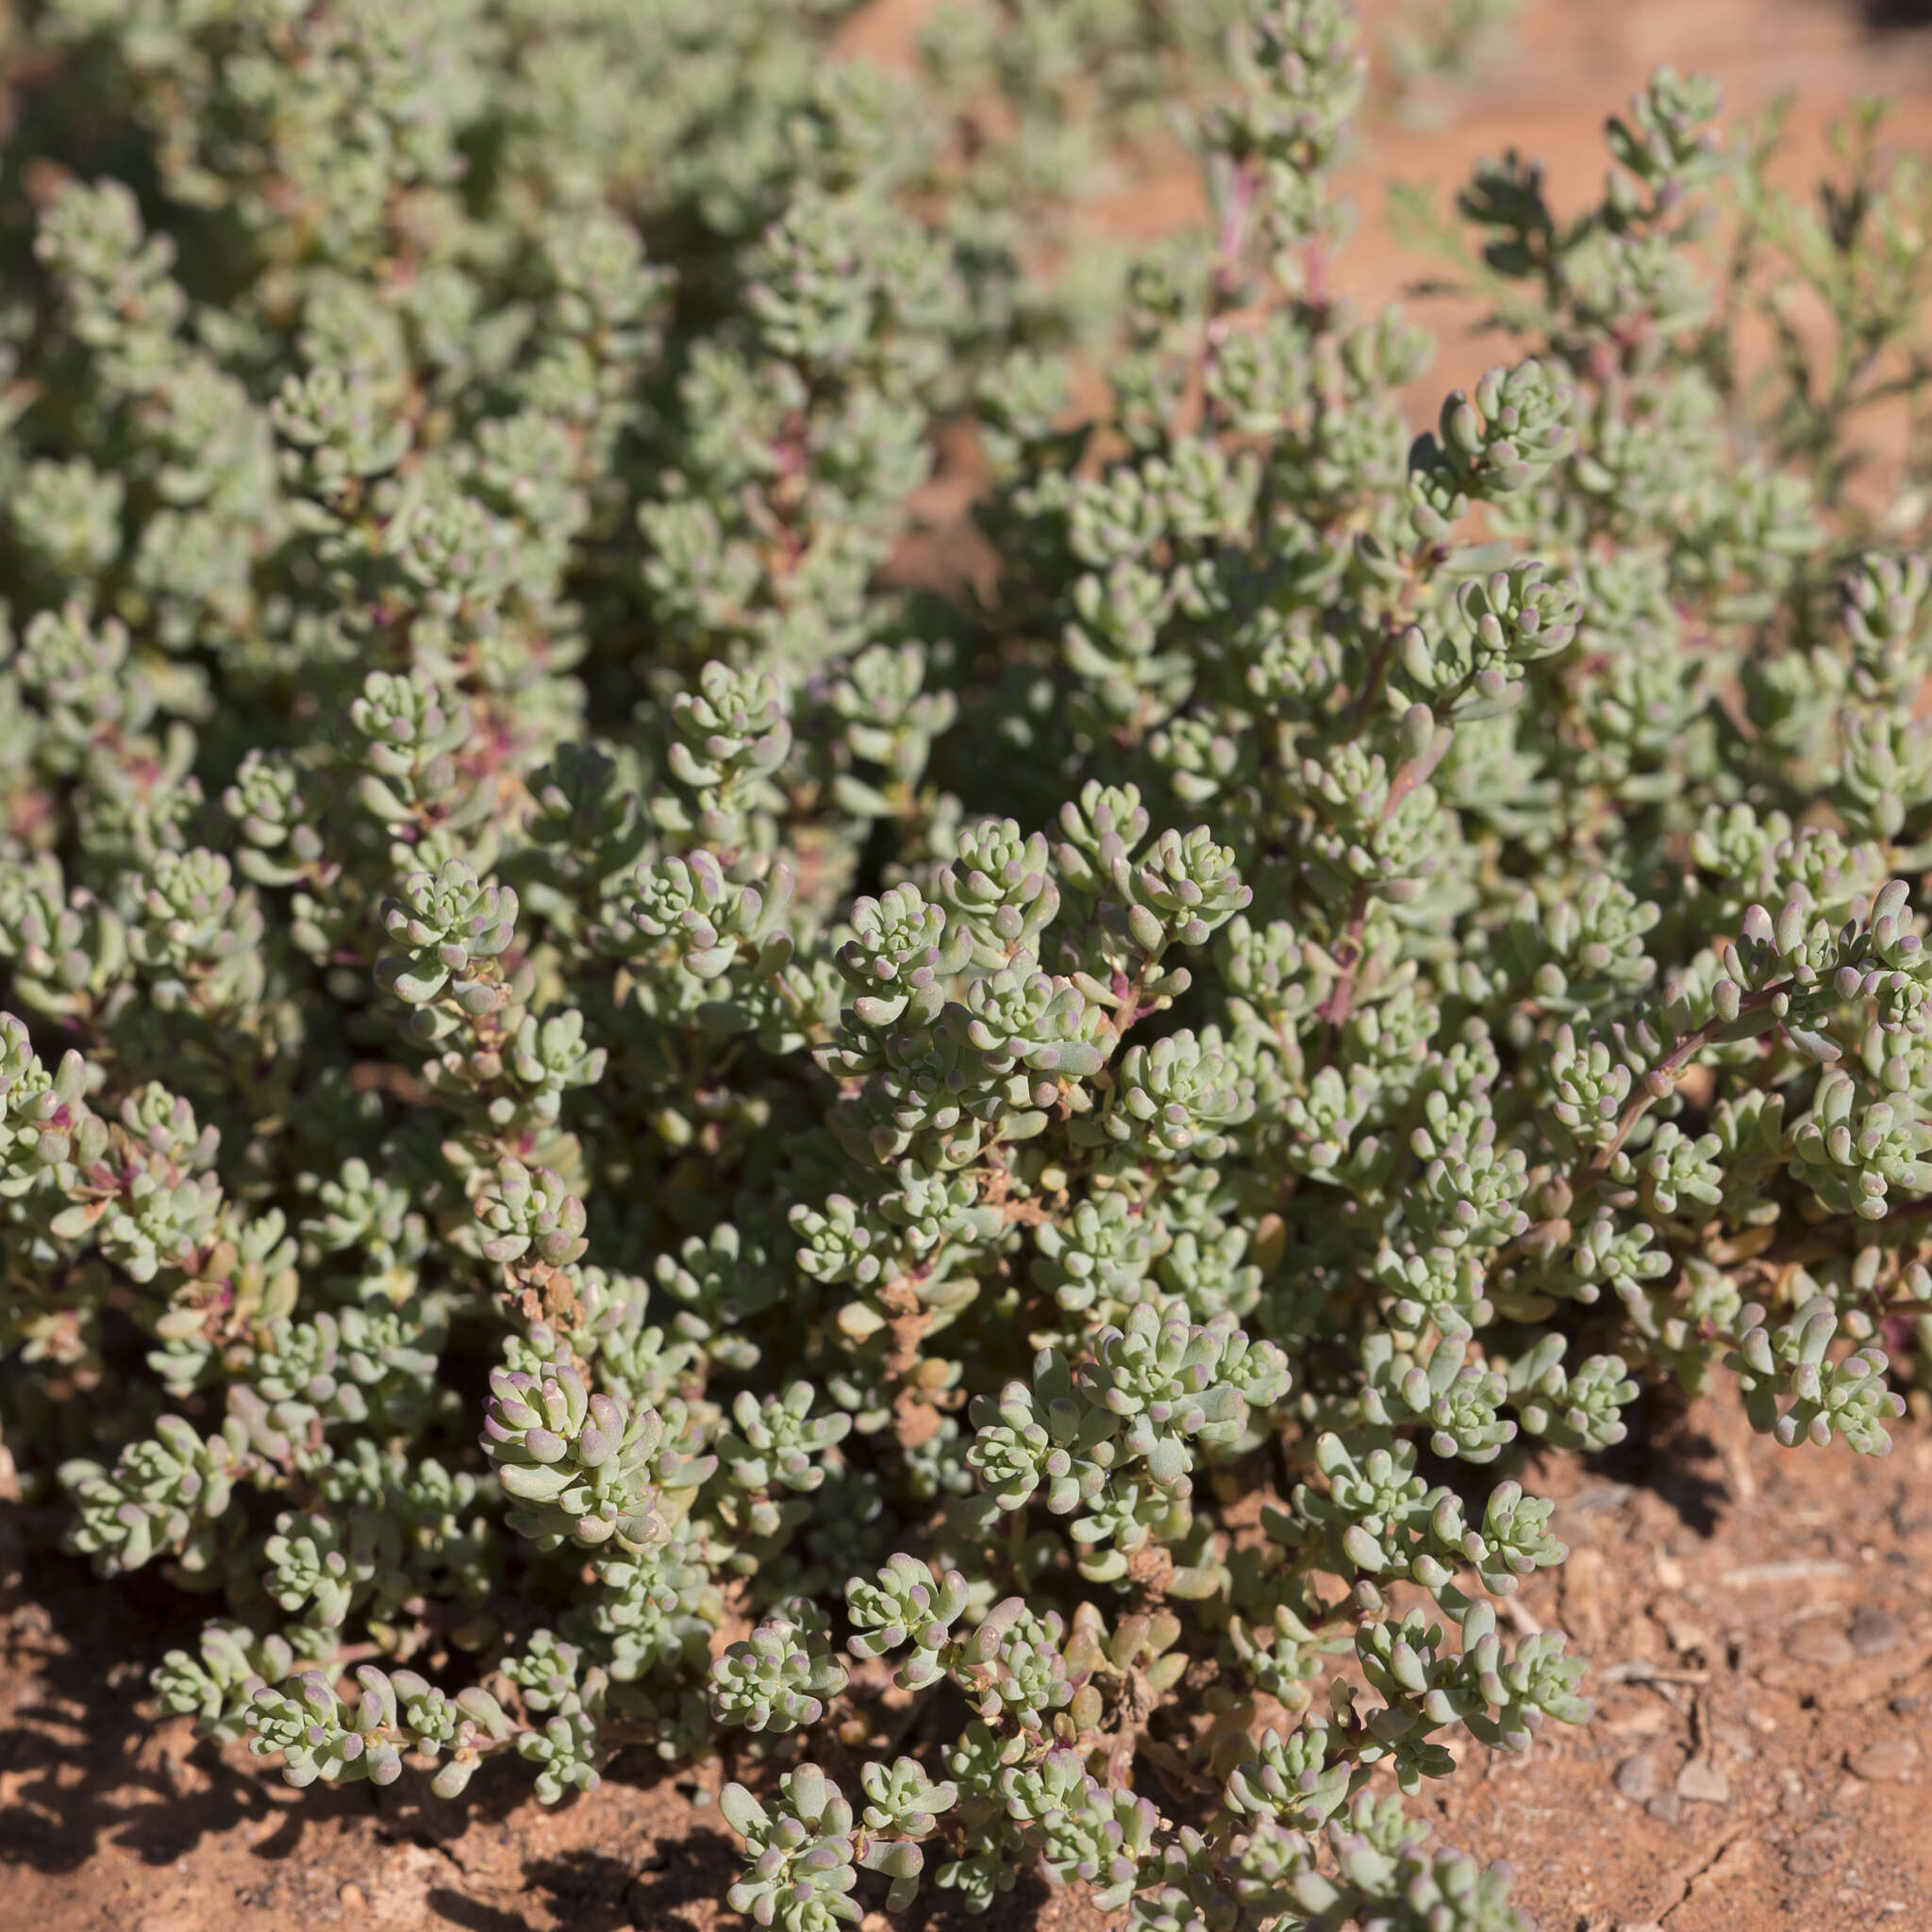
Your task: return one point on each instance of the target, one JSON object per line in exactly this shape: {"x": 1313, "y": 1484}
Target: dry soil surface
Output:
{"x": 1758, "y": 1624}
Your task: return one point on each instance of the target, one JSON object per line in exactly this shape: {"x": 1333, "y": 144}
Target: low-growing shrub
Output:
{"x": 622, "y": 1128}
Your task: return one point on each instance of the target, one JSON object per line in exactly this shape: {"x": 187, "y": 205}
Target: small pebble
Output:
{"x": 1737, "y": 1740}
{"x": 1598, "y": 1496}
{"x": 1639, "y": 1778}
{"x": 1875, "y": 1631}
{"x": 351, "y": 1897}
{"x": 1888, "y": 1761}
{"x": 1667, "y": 1807}
{"x": 1821, "y": 1644}
{"x": 1903, "y": 1707}
{"x": 1688, "y": 1640}
{"x": 1701, "y": 1782}
{"x": 1808, "y": 1861}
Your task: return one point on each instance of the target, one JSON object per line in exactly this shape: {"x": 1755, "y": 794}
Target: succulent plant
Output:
{"x": 619, "y": 1124}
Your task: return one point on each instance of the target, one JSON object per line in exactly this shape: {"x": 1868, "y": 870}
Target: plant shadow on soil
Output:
{"x": 1881, "y": 15}
{"x": 71, "y": 1758}
{"x": 84, "y": 1767}
{"x": 1701, "y": 1552}
{"x": 1666, "y": 1455}
{"x": 83, "y": 1763}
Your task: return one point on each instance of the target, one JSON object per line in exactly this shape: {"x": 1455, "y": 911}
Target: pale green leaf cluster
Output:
{"x": 621, "y": 1127}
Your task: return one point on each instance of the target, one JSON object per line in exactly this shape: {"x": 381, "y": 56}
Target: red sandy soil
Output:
{"x": 1762, "y": 1647}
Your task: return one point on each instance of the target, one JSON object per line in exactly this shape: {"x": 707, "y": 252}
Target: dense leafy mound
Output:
{"x": 618, "y": 1129}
